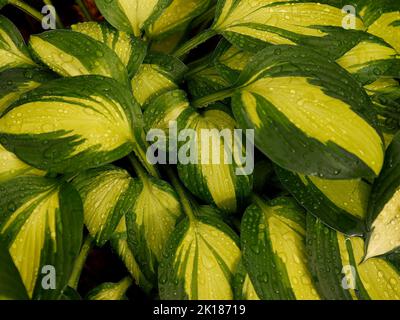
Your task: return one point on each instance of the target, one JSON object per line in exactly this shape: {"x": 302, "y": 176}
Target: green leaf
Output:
{"x": 243, "y": 287}
{"x": 130, "y": 50}
{"x": 120, "y": 245}
{"x": 110, "y": 290}
{"x": 151, "y": 221}
{"x": 71, "y": 53}
{"x": 383, "y": 217}
{"x": 168, "y": 44}
{"x": 72, "y": 124}
{"x": 107, "y": 195}
{"x": 131, "y": 15}
{"x": 176, "y": 16}
{"x": 3, "y": 3}
{"x": 158, "y": 74}
{"x": 13, "y": 51}
{"x": 41, "y": 221}
{"x": 11, "y": 285}
{"x": 215, "y": 169}
{"x": 341, "y": 204}
{"x": 309, "y": 115}
{"x": 383, "y": 20}
{"x": 250, "y": 25}
{"x": 339, "y": 270}
{"x": 200, "y": 260}
{"x": 11, "y": 166}
{"x": 17, "y": 81}
{"x": 274, "y": 250}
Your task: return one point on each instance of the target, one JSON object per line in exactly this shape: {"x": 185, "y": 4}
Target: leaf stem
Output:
{"x": 84, "y": 10}
{"x": 214, "y": 97}
{"x": 182, "y": 193}
{"x": 80, "y": 262}
{"x": 27, "y": 9}
{"x": 60, "y": 25}
{"x": 194, "y": 42}
{"x": 140, "y": 171}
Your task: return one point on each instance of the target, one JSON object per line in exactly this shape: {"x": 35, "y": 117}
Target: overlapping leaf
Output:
{"x": 72, "y": 124}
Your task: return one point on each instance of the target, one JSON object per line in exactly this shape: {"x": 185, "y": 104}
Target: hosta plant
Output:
{"x": 308, "y": 208}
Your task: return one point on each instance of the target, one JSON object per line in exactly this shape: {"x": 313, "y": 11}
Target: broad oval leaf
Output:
{"x": 176, "y": 16}
{"x": 200, "y": 260}
{"x": 274, "y": 250}
{"x": 12, "y": 167}
{"x": 11, "y": 285}
{"x": 71, "y": 53}
{"x": 131, "y": 15}
{"x": 130, "y": 50}
{"x": 252, "y": 24}
{"x": 119, "y": 243}
{"x": 41, "y": 221}
{"x": 17, "y": 81}
{"x": 384, "y": 215}
{"x": 244, "y": 289}
{"x": 72, "y": 124}
{"x": 13, "y": 51}
{"x": 383, "y": 20}
{"x": 110, "y": 291}
{"x": 107, "y": 195}
{"x": 310, "y": 116}
{"x": 158, "y": 74}
{"x": 213, "y": 162}
{"x": 151, "y": 221}
{"x": 340, "y": 271}
{"x": 341, "y": 204}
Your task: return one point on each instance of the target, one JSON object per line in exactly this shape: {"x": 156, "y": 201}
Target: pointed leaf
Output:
{"x": 384, "y": 218}
{"x": 131, "y": 15}
{"x": 11, "y": 285}
{"x": 130, "y": 50}
{"x": 274, "y": 250}
{"x": 341, "y": 204}
{"x": 337, "y": 265}
{"x": 158, "y": 74}
{"x": 71, "y": 53}
{"x": 72, "y": 124}
{"x": 309, "y": 115}
{"x": 214, "y": 172}
{"x": 107, "y": 195}
{"x": 200, "y": 259}
{"x": 18, "y": 81}
{"x": 110, "y": 291}
{"x": 41, "y": 221}
{"x": 151, "y": 221}
{"x": 13, "y": 52}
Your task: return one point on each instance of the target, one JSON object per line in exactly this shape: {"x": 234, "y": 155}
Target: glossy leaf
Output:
{"x": 11, "y": 285}
{"x": 384, "y": 218}
{"x": 158, "y": 74}
{"x": 130, "y": 50}
{"x": 274, "y": 250}
{"x": 107, "y": 195}
{"x": 110, "y": 291}
{"x": 17, "y": 81}
{"x": 337, "y": 265}
{"x": 13, "y": 51}
{"x": 41, "y": 221}
{"x": 341, "y": 204}
{"x": 150, "y": 222}
{"x": 309, "y": 115}
{"x": 199, "y": 262}
{"x": 244, "y": 289}
{"x": 71, "y": 53}
{"x": 72, "y": 124}
{"x": 219, "y": 170}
